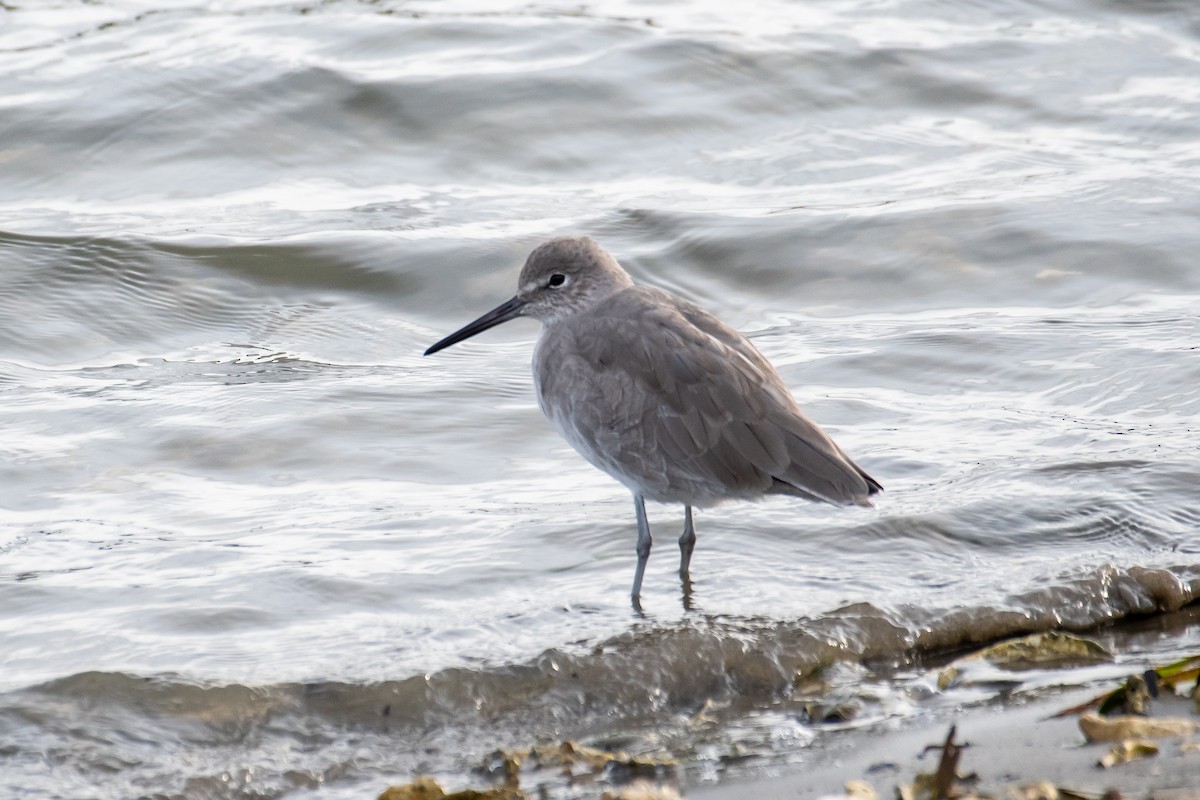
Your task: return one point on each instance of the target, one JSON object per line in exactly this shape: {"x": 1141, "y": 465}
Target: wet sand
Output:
{"x": 1009, "y": 747}
{"x": 1013, "y": 741}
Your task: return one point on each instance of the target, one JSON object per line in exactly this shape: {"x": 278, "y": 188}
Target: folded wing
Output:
{"x": 665, "y": 397}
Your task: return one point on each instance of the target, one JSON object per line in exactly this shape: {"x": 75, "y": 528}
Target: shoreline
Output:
{"x": 1016, "y": 738}
{"x": 1009, "y": 746}
{"x": 1016, "y": 706}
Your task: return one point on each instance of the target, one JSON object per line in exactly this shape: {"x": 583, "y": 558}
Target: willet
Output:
{"x": 663, "y": 396}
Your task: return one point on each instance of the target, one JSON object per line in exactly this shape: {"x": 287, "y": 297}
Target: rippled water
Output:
{"x": 242, "y": 516}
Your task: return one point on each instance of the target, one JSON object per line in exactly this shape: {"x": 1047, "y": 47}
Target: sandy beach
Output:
{"x": 1011, "y": 747}
{"x": 1015, "y": 741}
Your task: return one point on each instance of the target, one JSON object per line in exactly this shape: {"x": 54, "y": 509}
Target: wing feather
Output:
{"x": 672, "y": 402}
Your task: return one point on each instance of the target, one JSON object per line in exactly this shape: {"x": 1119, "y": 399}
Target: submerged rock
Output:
{"x": 1036, "y": 651}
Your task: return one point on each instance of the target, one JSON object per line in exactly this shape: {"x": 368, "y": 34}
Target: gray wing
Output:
{"x": 670, "y": 399}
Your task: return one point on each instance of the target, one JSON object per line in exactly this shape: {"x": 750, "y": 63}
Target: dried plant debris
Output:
{"x": 573, "y": 759}
{"x": 944, "y": 783}
{"x": 924, "y": 787}
{"x": 1042, "y": 790}
{"x": 1130, "y": 696}
{"x": 550, "y": 763}
{"x": 855, "y": 790}
{"x": 426, "y": 788}
{"x": 604, "y": 761}
{"x": 1139, "y": 691}
{"x": 1128, "y": 750}
{"x": 947, "y": 771}
{"x": 860, "y": 790}
{"x": 1114, "y": 729}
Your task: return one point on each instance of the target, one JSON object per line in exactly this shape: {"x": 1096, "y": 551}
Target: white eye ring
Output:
{"x": 557, "y": 281}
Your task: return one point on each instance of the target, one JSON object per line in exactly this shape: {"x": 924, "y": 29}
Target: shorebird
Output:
{"x": 663, "y": 396}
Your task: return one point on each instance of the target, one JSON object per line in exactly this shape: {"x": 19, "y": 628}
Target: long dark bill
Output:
{"x": 501, "y": 313}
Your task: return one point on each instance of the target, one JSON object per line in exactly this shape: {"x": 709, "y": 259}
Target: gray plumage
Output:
{"x": 662, "y": 395}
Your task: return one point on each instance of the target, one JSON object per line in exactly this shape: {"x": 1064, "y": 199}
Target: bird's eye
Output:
{"x": 556, "y": 280}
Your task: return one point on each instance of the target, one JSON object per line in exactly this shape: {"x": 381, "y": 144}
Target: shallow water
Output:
{"x": 242, "y": 515}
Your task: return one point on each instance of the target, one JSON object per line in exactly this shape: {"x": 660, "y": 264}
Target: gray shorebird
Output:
{"x": 663, "y": 396}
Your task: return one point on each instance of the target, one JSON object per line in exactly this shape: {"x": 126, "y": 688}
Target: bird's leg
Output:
{"x": 687, "y": 543}
{"x": 643, "y": 548}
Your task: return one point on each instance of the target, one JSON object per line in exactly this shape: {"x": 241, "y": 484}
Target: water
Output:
{"x": 243, "y": 517}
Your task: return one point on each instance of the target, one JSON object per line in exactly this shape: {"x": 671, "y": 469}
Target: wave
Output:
{"x": 648, "y": 671}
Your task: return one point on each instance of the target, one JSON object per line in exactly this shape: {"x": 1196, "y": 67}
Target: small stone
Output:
{"x": 1129, "y": 750}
